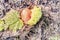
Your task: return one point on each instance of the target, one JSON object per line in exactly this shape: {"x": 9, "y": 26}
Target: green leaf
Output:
{"x": 1, "y": 25}
{"x": 36, "y": 15}
{"x": 56, "y": 37}
{"x": 12, "y": 20}
{"x": 11, "y": 17}
{"x": 17, "y": 25}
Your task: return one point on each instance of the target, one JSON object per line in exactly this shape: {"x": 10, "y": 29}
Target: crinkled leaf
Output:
{"x": 12, "y": 21}
{"x": 35, "y": 16}
{"x": 54, "y": 37}
{"x": 17, "y": 25}
{"x": 11, "y": 17}
{"x": 1, "y": 25}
